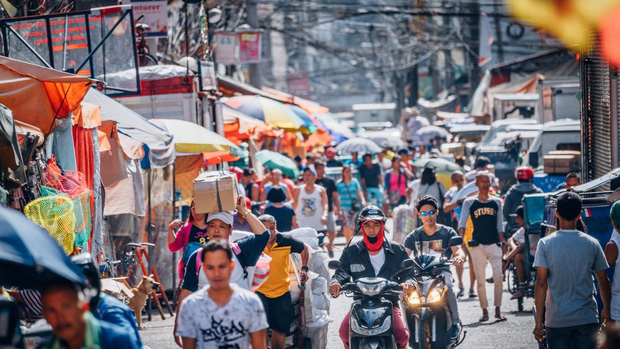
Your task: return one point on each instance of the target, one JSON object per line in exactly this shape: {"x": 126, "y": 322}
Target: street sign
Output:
{"x": 155, "y": 14}
{"x": 250, "y": 47}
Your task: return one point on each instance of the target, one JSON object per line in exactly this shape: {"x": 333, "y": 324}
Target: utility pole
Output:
{"x": 447, "y": 52}
{"x": 474, "y": 46}
{"x": 498, "y": 32}
{"x": 255, "y": 73}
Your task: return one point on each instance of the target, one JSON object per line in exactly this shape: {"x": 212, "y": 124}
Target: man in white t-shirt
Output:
{"x": 221, "y": 315}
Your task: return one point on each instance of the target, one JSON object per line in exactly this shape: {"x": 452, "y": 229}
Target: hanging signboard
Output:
{"x": 226, "y": 48}
{"x": 208, "y": 79}
{"x": 250, "y": 47}
{"x": 155, "y": 15}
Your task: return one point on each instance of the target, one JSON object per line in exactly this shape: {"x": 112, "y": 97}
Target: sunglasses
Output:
{"x": 426, "y": 213}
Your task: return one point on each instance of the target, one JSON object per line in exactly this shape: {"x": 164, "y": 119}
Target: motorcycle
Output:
{"x": 371, "y": 312}
{"x": 427, "y": 314}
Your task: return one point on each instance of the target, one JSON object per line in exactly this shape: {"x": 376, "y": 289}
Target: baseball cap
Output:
{"x": 225, "y": 217}
{"x": 524, "y": 172}
{"x": 311, "y": 170}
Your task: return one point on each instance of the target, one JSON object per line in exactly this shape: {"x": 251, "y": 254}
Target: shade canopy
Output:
{"x": 38, "y": 95}
{"x": 239, "y": 127}
{"x": 130, "y": 123}
{"x": 271, "y": 112}
{"x": 275, "y": 160}
{"x": 193, "y": 138}
{"x": 338, "y": 131}
{"x": 426, "y": 134}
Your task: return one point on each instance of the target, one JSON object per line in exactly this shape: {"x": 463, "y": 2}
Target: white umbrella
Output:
{"x": 358, "y": 145}
{"x": 425, "y": 134}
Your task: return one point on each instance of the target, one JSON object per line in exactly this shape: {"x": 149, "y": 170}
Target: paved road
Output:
{"x": 514, "y": 333}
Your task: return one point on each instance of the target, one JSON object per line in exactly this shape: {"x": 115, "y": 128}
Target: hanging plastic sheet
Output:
{"x": 187, "y": 168}
{"x": 62, "y": 146}
{"x": 161, "y": 213}
{"x": 126, "y": 196}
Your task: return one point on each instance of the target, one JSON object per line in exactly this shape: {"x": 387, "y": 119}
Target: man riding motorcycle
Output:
{"x": 374, "y": 256}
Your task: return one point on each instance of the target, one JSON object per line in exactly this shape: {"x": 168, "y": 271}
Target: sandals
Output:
{"x": 484, "y": 318}
{"x": 472, "y": 294}
{"x": 500, "y": 318}
{"x": 518, "y": 294}
{"x": 461, "y": 292}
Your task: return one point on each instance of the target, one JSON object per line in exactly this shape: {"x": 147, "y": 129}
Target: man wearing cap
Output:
{"x": 247, "y": 251}
{"x": 275, "y": 292}
{"x": 331, "y": 158}
{"x": 310, "y": 203}
{"x": 514, "y": 197}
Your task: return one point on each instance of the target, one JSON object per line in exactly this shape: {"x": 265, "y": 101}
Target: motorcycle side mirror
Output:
{"x": 407, "y": 264}
{"x": 334, "y": 265}
{"x": 455, "y": 241}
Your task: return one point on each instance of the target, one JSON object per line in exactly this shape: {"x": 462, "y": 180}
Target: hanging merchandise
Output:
{"x": 81, "y": 209}
{"x": 55, "y": 214}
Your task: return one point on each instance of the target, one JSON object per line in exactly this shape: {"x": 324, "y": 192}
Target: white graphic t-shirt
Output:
{"x": 226, "y": 327}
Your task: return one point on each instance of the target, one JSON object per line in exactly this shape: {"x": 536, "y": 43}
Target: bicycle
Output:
{"x": 144, "y": 56}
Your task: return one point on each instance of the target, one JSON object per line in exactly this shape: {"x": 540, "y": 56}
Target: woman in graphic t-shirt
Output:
{"x": 193, "y": 231}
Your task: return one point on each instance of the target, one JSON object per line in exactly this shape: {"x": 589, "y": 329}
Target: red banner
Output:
{"x": 250, "y": 47}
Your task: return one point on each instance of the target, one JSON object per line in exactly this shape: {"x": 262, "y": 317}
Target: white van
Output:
{"x": 564, "y": 134}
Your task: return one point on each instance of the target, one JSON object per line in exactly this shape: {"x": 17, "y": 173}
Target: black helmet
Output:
{"x": 85, "y": 262}
{"x": 371, "y": 213}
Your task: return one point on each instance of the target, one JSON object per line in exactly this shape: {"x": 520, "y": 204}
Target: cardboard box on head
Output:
{"x": 215, "y": 191}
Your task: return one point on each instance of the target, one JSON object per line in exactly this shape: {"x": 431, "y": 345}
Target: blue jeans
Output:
{"x": 576, "y": 337}
{"x": 375, "y": 196}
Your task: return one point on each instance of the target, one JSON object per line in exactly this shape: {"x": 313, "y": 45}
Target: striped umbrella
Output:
{"x": 269, "y": 111}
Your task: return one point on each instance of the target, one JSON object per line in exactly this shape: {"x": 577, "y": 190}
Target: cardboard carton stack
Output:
{"x": 562, "y": 162}
{"x": 215, "y": 191}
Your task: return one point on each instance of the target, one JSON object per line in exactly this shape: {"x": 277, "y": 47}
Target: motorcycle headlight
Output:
{"x": 355, "y": 327}
{"x": 434, "y": 296}
{"x": 414, "y": 298}
{"x": 371, "y": 289}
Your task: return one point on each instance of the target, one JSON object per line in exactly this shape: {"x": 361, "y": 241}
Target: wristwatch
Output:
{"x": 305, "y": 268}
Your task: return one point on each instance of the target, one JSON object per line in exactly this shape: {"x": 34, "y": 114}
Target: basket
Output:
{"x": 55, "y": 213}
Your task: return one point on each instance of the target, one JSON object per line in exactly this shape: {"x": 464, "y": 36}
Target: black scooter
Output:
{"x": 428, "y": 316}
{"x": 371, "y": 312}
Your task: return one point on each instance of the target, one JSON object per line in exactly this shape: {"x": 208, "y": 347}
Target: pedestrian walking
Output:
{"x": 310, "y": 203}
{"x": 191, "y": 236}
{"x": 564, "y": 294}
{"x": 283, "y": 212}
{"x": 252, "y": 189}
{"x": 275, "y": 292}
{"x": 613, "y": 258}
{"x": 372, "y": 180}
{"x": 333, "y": 203}
{"x": 274, "y": 178}
{"x": 351, "y": 201}
{"x": 247, "y": 252}
{"x": 458, "y": 181}
{"x": 221, "y": 315}
{"x": 486, "y": 242}
{"x": 396, "y": 184}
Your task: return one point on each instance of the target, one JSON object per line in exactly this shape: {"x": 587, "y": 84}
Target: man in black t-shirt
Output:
{"x": 372, "y": 181}
{"x": 333, "y": 203}
{"x": 437, "y": 237}
{"x": 487, "y": 237}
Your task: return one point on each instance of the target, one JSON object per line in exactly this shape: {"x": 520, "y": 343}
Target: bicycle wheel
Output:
{"x": 146, "y": 59}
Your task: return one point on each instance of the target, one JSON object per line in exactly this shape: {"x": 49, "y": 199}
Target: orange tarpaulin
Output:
{"x": 213, "y": 158}
{"x": 318, "y": 138}
{"x": 37, "y": 95}
{"x": 87, "y": 115}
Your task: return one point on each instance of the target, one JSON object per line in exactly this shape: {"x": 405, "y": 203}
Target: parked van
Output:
{"x": 564, "y": 134}
{"x": 500, "y": 127}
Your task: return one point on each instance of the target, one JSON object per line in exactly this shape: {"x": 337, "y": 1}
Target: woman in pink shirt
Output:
{"x": 396, "y": 184}
{"x": 191, "y": 236}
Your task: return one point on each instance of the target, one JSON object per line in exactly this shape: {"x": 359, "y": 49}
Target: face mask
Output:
{"x": 376, "y": 243}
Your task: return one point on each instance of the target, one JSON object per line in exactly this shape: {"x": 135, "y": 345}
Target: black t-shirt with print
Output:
{"x": 198, "y": 235}
{"x": 440, "y": 240}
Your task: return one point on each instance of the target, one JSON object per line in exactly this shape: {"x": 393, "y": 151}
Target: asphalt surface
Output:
{"x": 516, "y": 332}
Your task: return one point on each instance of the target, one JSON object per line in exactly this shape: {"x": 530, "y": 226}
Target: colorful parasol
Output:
{"x": 269, "y": 111}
